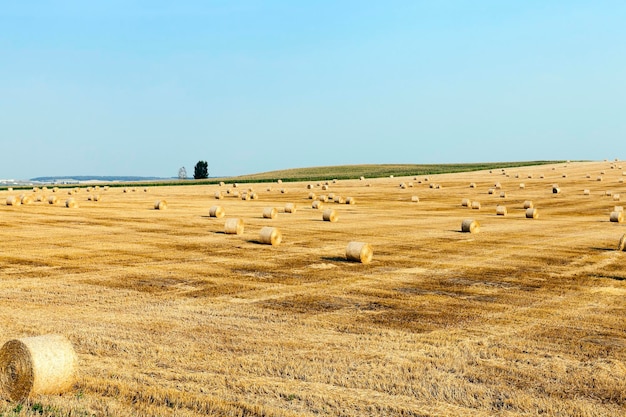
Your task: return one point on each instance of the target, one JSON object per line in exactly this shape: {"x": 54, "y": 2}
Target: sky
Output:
{"x": 123, "y": 87}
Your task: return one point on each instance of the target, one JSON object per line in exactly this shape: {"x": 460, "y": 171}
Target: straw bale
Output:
{"x": 270, "y": 213}
{"x": 270, "y": 236}
{"x": 37, "y": 365}
{"x": 290, "y": 208}
{"x": 71, "y": 203}
{"x": 13, "y": 201}
{"x": 330, "y": 215}
{"x": 233, "y": 227}
{"x": 415, "y": 199}
{"x": 218, "y": 195}
{"x": 350, "y": 200}
{"x": 617, "y": 217}
{"x": 475, "y": 205}
{"x": 217, "y": 212}
{"x": 359, "y": 252}
{"x": 160, "y": 205}
{"x": 27, "y": 199}
{"x": 501, "y": 210}
{"x": 622, "y": 243}
{"x": 466, "y": 202}
{"x": 528, "y": 204}
{"x": 317, "y": 205}
{"x": 470, "y": 226}
{"x": 532, "y": 213}
{"x": 53, "y": 199}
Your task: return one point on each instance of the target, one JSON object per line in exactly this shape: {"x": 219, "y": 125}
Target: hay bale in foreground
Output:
{"x": 622, "y": 243}
{"x": 330, "y": 215}
{"x": 217, "y": 212}
{"x": 13, "y": 201}
{"x": 233, "y": 227}
{"x": 160, "y": 205}
{"x": 270, "y": 236}
{"x": 37, "y": 365}
{"x": 71, "y": 203}
{"x": 501, "y": 211}
{"x": 269, "y": 213}
{"x": 359, "y": 252}
{"x": 470, "y": 226}
{"x": 617, "y": 217}
{"x": 532, "y": 213}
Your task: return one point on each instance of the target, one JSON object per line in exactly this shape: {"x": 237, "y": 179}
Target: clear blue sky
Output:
{"x": 144, "y": 87}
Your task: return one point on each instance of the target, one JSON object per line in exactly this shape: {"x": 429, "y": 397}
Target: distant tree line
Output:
{"x": 200, "y": 171}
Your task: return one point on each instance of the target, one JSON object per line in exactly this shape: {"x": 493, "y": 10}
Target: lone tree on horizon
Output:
{"x": 182, "y": 173}
{"x": 201, "y": 170}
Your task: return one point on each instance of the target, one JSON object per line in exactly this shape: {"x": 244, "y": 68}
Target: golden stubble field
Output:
{"x": 171, "y": 316}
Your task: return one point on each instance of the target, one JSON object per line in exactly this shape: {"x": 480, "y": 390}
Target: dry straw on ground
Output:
{"x": 359, "y": 252}
{"x": 233, "y": 227}
{"x": 470, "y": 226}
{"x": 217, "y": 211}
{"x": 270, "y": 236}
{"x": 330, "y": 215}
{"x": 37, "y": 365}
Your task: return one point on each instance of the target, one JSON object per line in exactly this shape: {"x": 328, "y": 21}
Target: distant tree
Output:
{"x": 201, "y": 170}
{"x": 182, "y": 173}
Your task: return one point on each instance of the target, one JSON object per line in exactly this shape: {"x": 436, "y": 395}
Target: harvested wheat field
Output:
{"x": 169, "y": 315}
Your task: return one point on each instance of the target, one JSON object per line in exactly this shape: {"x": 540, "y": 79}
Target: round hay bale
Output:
{"x": 317, "y": 205}
{"x": 542, "y": 176}
{"x": 290, "y": 208}
{"x": 40, "y": 198}
{"x": 359, "y": 252}
{"x": 312, "y": 196}
{"x": 324, "y": 187}
{"x": 586, "y": 192}
{"x": 13, "y": 200}
{"x": 564, "y": 175}
{"x": 219, "y": 195}
{"x": 472, "y": 185}
{"x": 71, "y": 203}
{"x": 145, "y": 190}
{"x": 350, "y": 200}
{"x": 415, "y": 199}
{"x": 96, "y": 197}
{"x": 254, "y": 196}
{"x": 530, "y": 175}
{"x": 37, "y": 365}
{"x": 330, "y": 215}
{"x": 617, "y": 217}
{"x": 245, "y": 196}
{"x": 235, "y": 185}
{"x": 160, "y": 205}
{"x": 89, "y": 197}
{"x": 615, "y": 197}
{"x": 331, "y": 196}
{"x": 528, "y": 204}
{"x": 233, "y": 227}
{"x": 497, "y": 186}
{"x": 125, "y": 190}
{"x": 270, "y": 213}
{"x": 466, "y": 202}
{"x": 221, "y": 183}
{"x": 53, "y": 199}
{"x": 402, "y": 185}
{"x": 362, "y": 178}
{"x": 470, "y": 226}
{"x": 501, "y": 211}
{"x": 55, "y": 189}
{"x": 599, "y": 179}
{"x": 503, "y": 194}
{"x": 26, "y": 199}
{"x": 522, "y": 186}
{"x": 270, "y": 236}
{"x": 410, "y": 184}
{"x": 602, "y": 172}
{"x": 532, "y": 213}
{"x": 622, "y": 243}
{"x": 217, "y": 212}
{"x": 283, "y": 191}
{"x": 588, "y": 176}
{"x": 556, "y": 190}
{"x": 475, "y": 205}
{"x": 339, "y": 199}
{"x": 491, "y": 191}
{"x": 323, "y": 198}
{"x": 608, "y": 193}
{"x": 309, "y": 186}
{"x": 279, "y": 181}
